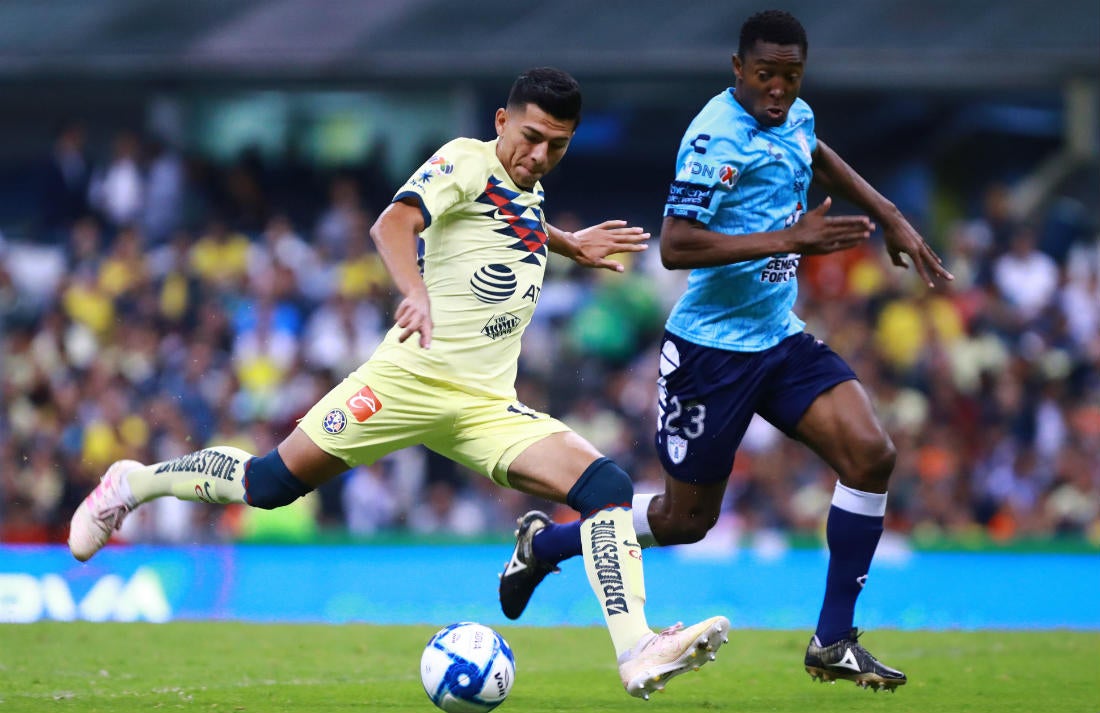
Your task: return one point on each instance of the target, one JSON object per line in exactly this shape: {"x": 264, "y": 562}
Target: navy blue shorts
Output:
{"x": 706, "y": 398}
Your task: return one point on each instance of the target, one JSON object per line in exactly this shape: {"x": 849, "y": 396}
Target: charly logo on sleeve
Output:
{"x": 493, "y": 283}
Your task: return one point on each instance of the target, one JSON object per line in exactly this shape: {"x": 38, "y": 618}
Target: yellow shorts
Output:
{"x": 381, "y": 408}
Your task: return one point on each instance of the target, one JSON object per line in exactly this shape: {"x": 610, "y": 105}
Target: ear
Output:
{"x": 501, "y": 121}
{"x": 738, "y": 68}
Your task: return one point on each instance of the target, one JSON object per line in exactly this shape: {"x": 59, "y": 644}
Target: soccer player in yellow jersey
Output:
{"x": 445, "y": 375}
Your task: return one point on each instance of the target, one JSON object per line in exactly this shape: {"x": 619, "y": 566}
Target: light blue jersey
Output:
{"x": 737, "y": 177}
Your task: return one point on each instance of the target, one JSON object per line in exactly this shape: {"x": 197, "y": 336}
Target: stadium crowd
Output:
{"x": 160, "y": 303}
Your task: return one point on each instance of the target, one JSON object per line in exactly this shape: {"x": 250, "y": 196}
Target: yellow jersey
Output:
{"x": 484, "y": 257}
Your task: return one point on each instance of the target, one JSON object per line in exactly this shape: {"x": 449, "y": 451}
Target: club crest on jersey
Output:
{"x": 500, "y": 325}
{"x": 677, "y": 449}
{"x": 335, "y": 421}
{"x": 493, "y": 283}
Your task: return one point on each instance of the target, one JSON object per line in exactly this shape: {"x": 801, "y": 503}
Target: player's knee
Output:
{"x": 603, "y": 485}
{"x": 685, "y": 530}
{"x": 873, "y": 467}
{"x": 269, "y": 484}
{"x": 881, "y": 460}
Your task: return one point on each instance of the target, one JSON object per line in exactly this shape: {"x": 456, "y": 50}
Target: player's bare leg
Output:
{"x": 682, "y": 514}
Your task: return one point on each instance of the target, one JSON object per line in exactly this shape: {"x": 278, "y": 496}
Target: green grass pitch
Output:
{"x": 231, "y": 667}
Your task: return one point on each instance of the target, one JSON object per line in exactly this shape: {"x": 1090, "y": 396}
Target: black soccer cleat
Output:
{"x": 847, "y": 660}
{"x": 524, "y": 571}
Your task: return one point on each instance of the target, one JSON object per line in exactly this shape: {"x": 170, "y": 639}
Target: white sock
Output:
{"x": 859, "y": 502}
{"x": 640, "y": 509}
{"x": 212, "y": 475}
{"x": 614, "y": 569}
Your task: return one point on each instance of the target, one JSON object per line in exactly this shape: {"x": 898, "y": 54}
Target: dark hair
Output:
{"x": 551, "y": 90}
{"x": 776, "y": 26}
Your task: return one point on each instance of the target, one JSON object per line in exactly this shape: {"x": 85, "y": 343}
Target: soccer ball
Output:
{"x": 467, "y": 668}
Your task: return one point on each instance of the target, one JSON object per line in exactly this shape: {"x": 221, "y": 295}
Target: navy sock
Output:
{"x": 555, "y": 542}
{"x": 602, "y": 485}
{"x": 852, "y": 541}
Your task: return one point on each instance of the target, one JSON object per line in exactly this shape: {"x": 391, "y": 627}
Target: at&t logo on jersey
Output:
{"x": 493, "y": 283}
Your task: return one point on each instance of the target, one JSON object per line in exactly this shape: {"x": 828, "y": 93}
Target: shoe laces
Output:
{"x": 674, "y": 629}
{"x": 527, "y": 555}
{"x": 108, "y": 504}
{"x": 664, "y": 638}
{"x": 526, "y": 547}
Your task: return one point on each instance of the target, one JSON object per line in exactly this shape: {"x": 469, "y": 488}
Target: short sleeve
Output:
{"x": 708, "y": 167}
{"x": 437, "y": 184}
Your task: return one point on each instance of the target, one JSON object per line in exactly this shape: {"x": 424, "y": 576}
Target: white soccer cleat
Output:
{"x": 658, "y": 657}
{"x": 102, "y": 512}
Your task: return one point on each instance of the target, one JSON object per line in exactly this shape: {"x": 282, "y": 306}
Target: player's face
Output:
{"x": 768, "y": 80}
{"x": 531, "y": 143}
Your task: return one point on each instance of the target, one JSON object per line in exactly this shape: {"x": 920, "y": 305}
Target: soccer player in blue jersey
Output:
{"x": 737, "y": 216}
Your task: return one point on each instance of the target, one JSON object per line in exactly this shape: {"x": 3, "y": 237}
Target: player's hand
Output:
{"x": 817, "y": 233}
{"x": 595, "y": 243}
{"x": 901, "y": 237}
{"x": 414, "y": 315}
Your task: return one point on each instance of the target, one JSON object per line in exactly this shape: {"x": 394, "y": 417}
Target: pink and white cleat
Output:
{"x": 102, "y": 512}
{"x": 658, "y": 657}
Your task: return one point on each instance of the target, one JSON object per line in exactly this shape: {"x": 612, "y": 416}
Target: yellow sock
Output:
{"x": 613, "y": 562}
{"x": 212, "y": 475}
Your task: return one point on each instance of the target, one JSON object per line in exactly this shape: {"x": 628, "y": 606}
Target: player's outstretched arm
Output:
{"x": 835, "y": 176}
{"x": 688, "y": 244}
{"x": 590, "y": 247}
{"x": 395, "y": 234}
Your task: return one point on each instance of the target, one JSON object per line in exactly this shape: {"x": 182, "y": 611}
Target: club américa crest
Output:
{"x": 335, "y": 421}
